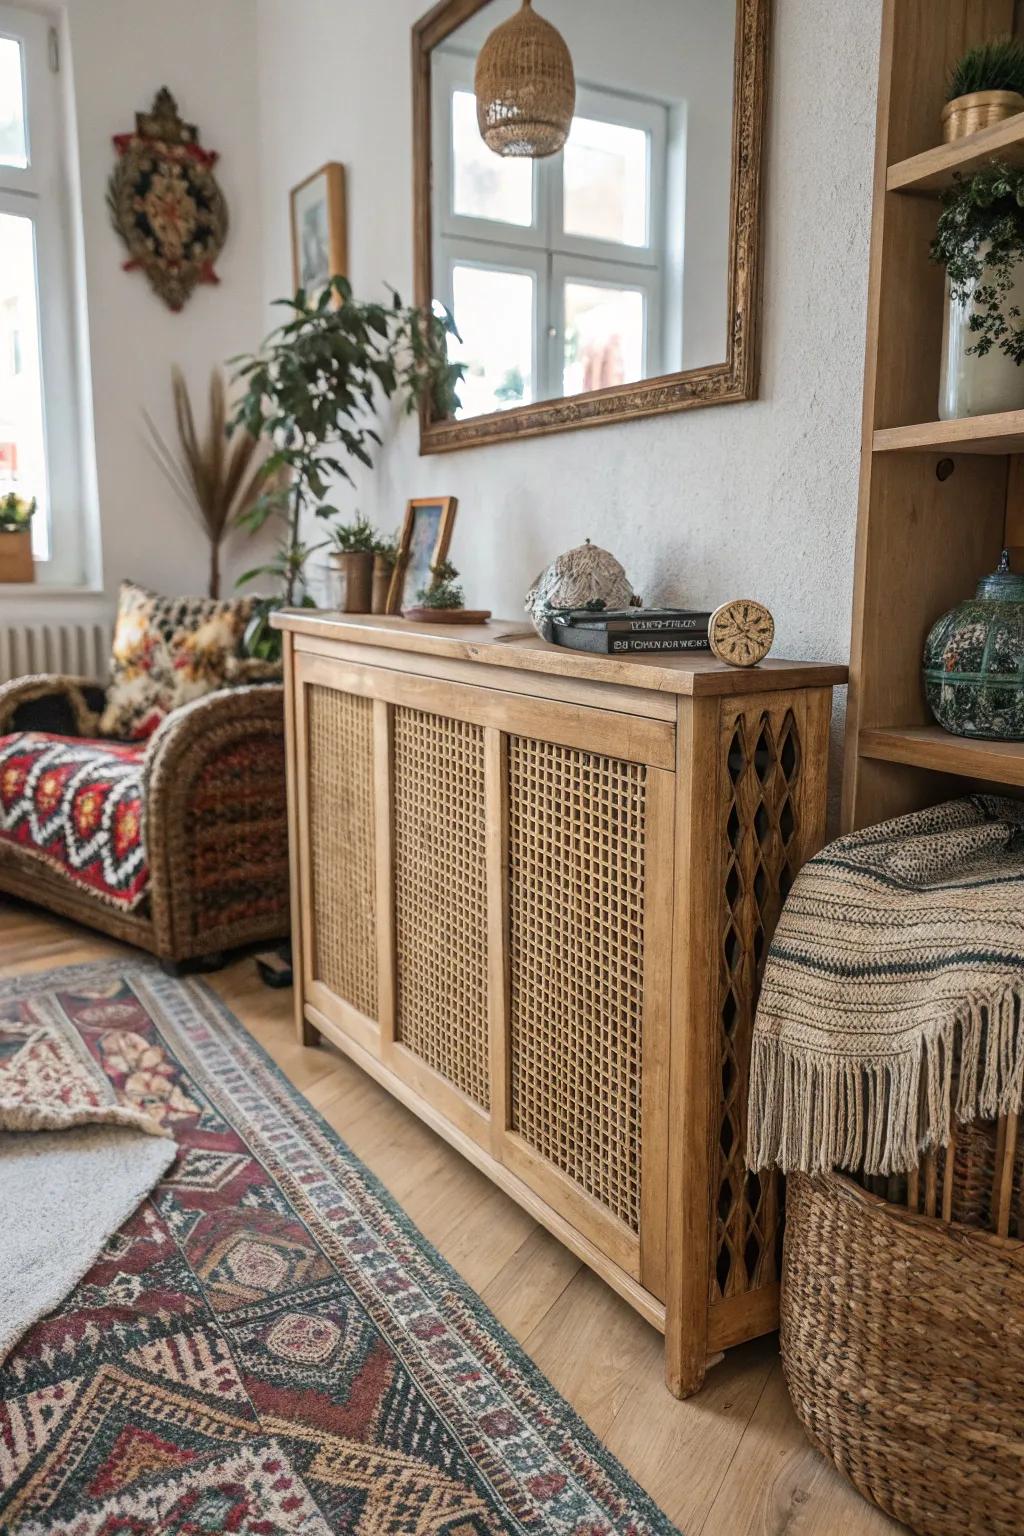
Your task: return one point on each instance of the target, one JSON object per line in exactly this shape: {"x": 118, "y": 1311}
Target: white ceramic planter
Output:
{"x": 970, "y": 385}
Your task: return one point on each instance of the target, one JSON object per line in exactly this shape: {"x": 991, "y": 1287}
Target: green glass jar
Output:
{"x": 974, "y": 661}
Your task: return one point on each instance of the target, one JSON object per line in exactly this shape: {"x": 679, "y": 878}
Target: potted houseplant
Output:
{"x": 16, "y": 514}
{"x": 313, "y": 390}
{"x": 980, "y": 242}
{"x": 442, "y": 600}
{"x": 354, "y": 550}
{"x": 985, "y": 86}
{"x": 385, "y": 557}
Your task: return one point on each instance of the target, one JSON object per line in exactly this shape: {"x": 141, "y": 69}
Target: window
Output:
{"x": 39, "y": 422}
{"x": 552, "y": 268}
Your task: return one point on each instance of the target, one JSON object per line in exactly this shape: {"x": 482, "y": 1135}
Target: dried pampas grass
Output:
{"x": 217, "y": 475}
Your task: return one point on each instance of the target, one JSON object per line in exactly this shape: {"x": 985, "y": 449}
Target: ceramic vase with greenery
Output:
{"x": 314, "y": 390}
{"x": 980, "y": 242}
{"x": 385, "y": 558}
{"x": 985, "y": 87}
{"x": 353, "y": 550}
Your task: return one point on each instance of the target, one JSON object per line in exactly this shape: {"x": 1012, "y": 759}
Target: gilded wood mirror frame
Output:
{"x": 716, "y": 384}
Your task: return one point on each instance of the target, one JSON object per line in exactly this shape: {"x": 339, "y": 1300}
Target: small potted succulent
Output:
{"x": 16, "y": 514}
{"x": 385, "y": 558}
{"x": 444, "y": 590}
{"x": 980, "y": 242}
{"x": 985, "y": 86}
{"x": 355, "y": 547}
{"x": 442, "y": 601}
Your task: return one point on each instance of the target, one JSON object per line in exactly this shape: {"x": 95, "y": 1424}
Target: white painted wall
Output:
{"x": 753, "y": 499}
{"x": 121, "y": 52}
{"x": 756, "y": 499}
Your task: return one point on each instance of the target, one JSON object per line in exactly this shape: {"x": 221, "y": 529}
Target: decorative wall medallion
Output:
{"x": 165, "y": 202}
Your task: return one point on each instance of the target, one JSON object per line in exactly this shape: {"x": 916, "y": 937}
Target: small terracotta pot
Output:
{"x": 967, "y": 114}
{"x": 357, "y": 575}
{"x": 16, "y": 556}
{"x": 383, "y": 570}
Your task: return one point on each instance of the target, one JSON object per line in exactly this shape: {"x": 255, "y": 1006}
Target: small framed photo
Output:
{"x": 426, "y": 535}
{"x": 319, "y": 228}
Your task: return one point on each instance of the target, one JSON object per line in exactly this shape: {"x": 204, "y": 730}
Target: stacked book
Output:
{"x": 631, "y": 630}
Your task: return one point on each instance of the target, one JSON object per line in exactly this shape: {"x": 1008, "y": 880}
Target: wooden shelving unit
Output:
{"x": 1002, "y": 433}
{"x": 930, "y": 747}
{"x": 939, "y": 499}
{"x": 932, "y": 172}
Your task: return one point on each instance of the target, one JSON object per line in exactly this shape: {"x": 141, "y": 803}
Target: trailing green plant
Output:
{"x": 314, "y": 388}
{"x": 995, "y": 66}
{"x": 444, "y": 590}
{"x": 358, "y": 538}
{"x": 16, "y": 512}
{"x": 980, "y": 242}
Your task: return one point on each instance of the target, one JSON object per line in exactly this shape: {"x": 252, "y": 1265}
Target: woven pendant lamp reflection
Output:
{"x": 525, "y": 87}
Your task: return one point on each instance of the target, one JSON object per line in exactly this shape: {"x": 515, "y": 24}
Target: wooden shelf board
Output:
{"x": 999, "y": 433}
{"x": 928, "y": 746}
{"x": 931, "y": 172}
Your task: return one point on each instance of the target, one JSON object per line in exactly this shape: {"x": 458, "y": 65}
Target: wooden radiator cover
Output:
{"x": 535, "y": 892}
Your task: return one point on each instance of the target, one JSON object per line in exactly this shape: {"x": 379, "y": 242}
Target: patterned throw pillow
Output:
{"x": 168, "y": 651}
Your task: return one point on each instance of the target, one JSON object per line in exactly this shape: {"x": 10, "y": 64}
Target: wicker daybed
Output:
{"x": 214, "y": 821}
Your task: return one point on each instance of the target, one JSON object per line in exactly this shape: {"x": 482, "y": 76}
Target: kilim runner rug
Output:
{"x": 268, "y": 1345}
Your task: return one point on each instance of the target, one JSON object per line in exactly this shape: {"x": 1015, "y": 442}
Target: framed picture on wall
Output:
{"x": 426, "y": 535}
{"x": 319, "y": 228}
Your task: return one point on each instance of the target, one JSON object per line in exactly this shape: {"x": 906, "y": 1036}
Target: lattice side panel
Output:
{"x": 576, "y": 926}
{"x": 761, "y": 856}
{"x": 341, "y": 835}
{"x": 441, "y": 897}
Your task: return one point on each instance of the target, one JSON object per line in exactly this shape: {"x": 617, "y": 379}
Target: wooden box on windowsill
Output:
{"x": 16, "y": 557}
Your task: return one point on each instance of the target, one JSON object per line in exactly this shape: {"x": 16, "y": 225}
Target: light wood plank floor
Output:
{"x": 732, "y": 1461}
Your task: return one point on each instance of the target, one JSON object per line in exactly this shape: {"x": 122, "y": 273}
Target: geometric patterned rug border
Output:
{"x": 269, "y": 1346}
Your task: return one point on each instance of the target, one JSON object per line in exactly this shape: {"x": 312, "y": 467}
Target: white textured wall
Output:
{"x": 756, "y": 499}
{"x": 122, "y": 51}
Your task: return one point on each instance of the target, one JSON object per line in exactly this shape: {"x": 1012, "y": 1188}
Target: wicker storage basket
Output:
{"x": 903, "y": 1335}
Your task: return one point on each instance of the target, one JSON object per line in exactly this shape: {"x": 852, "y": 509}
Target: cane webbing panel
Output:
{"x": 341, "y": 837}
{"x": 441, "y": 897}
{"x": 576, "y": 926}
{"x": 761, "y": 856}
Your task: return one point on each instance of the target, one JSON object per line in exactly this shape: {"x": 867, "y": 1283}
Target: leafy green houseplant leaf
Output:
{"x": 980, "y": 242}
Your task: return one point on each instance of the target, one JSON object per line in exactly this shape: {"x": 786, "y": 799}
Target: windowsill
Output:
{"x": 42, "y": 589}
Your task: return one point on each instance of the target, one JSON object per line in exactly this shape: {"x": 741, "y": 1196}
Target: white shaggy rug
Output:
{"x": 77, "y": 1153}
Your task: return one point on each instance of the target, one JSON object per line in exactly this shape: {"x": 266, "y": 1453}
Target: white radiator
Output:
{"x": 78, "y": 649}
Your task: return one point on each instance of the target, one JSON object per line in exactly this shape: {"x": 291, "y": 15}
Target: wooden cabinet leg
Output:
{"x": 685, "y": 1368}
{"x": 308, "y": 1033}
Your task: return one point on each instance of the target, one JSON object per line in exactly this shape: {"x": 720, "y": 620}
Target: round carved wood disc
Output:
{"x": 741, "y": 632}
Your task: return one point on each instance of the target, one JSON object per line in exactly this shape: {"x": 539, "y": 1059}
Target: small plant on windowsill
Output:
{"x": 16, "y": 513}
{"x": 444, "y": 591}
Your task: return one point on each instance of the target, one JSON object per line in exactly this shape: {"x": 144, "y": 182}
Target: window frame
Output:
{"x": 40, "y": 193}
{"x": 544, "y": 247}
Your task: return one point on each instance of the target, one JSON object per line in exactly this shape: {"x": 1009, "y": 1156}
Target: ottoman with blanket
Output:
{"x": 886, "y": 1079}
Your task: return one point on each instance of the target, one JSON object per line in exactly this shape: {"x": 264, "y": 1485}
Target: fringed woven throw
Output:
{"x": 894, "y": 984}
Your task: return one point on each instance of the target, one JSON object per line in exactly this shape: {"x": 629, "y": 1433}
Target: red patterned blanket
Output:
{"x": 76, "y": 804}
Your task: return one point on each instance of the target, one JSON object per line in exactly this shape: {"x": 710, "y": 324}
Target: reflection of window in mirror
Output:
{"x": 553, "y": 268}
{"x": 572, "y": 274}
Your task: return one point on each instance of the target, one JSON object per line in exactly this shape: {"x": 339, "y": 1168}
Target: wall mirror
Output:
{"x": 618, "y": 277}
